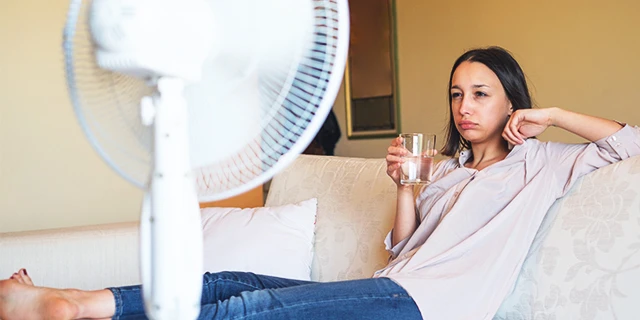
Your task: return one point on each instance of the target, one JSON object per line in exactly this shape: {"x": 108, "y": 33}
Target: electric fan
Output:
{"x": 199, "y": 100}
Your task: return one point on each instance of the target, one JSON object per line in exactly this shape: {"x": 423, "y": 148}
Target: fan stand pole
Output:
{"x": 171, "y": 227}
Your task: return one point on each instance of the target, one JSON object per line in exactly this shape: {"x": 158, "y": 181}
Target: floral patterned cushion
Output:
{"x": 585, "y": 260}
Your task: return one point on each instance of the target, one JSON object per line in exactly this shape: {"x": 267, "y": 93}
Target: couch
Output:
{"x": 584, "y": 262}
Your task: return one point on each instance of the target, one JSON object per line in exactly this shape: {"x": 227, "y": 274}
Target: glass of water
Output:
{"x": 418, "y": 162}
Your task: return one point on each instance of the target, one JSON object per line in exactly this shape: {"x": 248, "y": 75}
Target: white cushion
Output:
{"x": 276, "y": 241}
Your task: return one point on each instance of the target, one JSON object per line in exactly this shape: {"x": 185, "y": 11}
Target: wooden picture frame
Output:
{"x": 371, "y": 84}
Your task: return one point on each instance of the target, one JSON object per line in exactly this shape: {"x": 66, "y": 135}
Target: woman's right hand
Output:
{"x": 395, "y": 160}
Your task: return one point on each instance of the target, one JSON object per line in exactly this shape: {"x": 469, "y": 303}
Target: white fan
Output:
{"x": 199, "y": 100}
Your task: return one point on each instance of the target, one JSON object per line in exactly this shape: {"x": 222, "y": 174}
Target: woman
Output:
{"x": 460, "y": 258}
{"x": 455, "y": 251}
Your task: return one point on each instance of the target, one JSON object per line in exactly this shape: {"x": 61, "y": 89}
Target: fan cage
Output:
{"x": 295, "y": 106}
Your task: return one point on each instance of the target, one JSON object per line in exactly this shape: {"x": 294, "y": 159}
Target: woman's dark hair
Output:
{"x": 511, "y": 77}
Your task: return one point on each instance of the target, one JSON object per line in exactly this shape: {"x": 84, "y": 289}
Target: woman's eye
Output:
{"x": 480, "y": 94}
{"x": 456, "y": 95}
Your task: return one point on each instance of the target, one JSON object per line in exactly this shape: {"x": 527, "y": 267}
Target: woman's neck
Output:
{"x": 485, "y": 155}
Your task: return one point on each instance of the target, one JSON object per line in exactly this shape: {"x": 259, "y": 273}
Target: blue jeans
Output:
{"x": 240, "y": 295}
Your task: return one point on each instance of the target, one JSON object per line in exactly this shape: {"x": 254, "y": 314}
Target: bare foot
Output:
{"x": 23, "y": 301}
{"x": 20, "y": 299}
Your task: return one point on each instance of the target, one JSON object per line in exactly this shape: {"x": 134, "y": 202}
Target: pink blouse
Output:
{"x": 476, "y": 227}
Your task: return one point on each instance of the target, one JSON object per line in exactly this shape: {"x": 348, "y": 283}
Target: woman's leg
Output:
{"x": 224, "y": 285}
{"x": 215, "y": 287}
{"x": 18, "y": 296}
{"x": 378, "y": 298}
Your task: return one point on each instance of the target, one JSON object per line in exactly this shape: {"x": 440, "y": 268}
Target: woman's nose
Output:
{"x": 466, "y": 105}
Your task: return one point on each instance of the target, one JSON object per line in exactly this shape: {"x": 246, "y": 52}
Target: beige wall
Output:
{"x": 579, "y": 55}
{"x": 49, "y": 175}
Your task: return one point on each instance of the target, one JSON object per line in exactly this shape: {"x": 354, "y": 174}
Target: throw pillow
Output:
{"x": 275, "y": 241}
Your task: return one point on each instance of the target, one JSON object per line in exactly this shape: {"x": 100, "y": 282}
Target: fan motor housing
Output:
{"x": 152, "y": 38}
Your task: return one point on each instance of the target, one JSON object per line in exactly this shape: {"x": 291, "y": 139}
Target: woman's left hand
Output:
{"x": 526, "y": 123}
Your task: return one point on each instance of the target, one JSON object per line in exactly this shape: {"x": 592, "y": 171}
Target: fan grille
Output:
{"x": 295, "y": 103}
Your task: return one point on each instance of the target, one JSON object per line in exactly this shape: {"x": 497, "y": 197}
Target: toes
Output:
{"x": 24, "y": 277}
{"x": 17, "y": 276}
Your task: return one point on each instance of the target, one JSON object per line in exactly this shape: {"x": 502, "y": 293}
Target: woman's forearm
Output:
{"x": 405, "y": 223}
{"x": 588, "y": 127}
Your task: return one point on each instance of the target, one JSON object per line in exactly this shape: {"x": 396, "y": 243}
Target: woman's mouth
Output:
{"x": 466, "y": 125}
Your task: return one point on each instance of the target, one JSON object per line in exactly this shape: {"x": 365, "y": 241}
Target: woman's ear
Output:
{"x": 510, "y": 109}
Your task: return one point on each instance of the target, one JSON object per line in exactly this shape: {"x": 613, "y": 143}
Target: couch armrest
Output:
{"x": 92, "y": 257}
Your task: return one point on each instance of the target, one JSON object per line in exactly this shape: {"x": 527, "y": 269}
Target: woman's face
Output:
{"x": 479, "y": 104}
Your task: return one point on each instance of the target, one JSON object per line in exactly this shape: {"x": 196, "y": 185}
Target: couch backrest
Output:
{"x": 356, "y": 202}
{"x": 584, "y": 263}
{"x": 87, "y": 257}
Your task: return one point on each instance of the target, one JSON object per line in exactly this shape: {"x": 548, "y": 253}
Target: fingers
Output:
{"x": 393, "y": 163}
{"x": 397, "y": 151}
{"x": 510, "y": 137}
{"x": 392, "y": 168}
{"x": 511, "y": 133}
{"x": 396, "y": 147}
{"x": 514, "y": 127}
{"x": 393, "y": 158}
{"x": 396, "y": 142}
